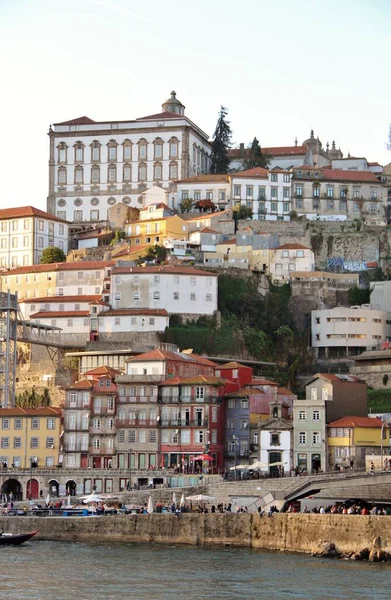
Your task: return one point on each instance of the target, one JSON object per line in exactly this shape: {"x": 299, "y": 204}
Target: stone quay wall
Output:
{"x": 284, "y": 532}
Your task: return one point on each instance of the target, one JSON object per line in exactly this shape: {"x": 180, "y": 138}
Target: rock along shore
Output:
{"x": 321, "y": 535}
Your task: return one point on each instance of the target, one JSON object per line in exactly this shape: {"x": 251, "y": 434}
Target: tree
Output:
{"x": 241, "y": 212}
{"x": 157, "y": 253}
{"x": 186, "y": 205}
{"x": 205, "y": 205}
{"x": 52, "y": 254}
{"x": 221, "y": 143}
{"x": 256, "y": 158}
{"x": 119, "y": 236}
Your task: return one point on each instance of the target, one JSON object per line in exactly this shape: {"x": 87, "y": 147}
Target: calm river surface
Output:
{"x": 62, "y": 570}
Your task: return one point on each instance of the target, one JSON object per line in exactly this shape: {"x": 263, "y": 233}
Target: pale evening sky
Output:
{"x": 281, "y": 68}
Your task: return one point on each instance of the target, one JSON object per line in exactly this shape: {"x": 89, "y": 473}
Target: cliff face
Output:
{"x": 293, "y": 532}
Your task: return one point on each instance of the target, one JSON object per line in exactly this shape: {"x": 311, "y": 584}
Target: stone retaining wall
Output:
{"x": 293, "y": 532}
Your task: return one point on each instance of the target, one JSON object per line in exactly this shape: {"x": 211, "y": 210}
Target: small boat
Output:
{"x": 15, "y": 539}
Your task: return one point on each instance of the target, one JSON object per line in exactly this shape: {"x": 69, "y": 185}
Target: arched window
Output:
{"x": 157, "y": 171}
{"x": 95, "y": 151}
{"x": 127, "y": 150}
{"x": 158, "y": 149}
{"x": 95, "y": 174}
{"x": 142, "y": 149}
{"x": 112, "y": 150}
{"x": 127, "y": 172}
{"x": 112, "y": 174}
{"x": 78, "y": 174}
{"x": 173, "y": 170}
{"x": 62, "y": 152}
{"x": 62, "y": 175}
{"x": 79, "y": 152}
{"x": 142, "y": 172}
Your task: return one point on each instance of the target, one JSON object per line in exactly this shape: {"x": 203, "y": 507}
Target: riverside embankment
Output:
{"x": 286, "y": 532}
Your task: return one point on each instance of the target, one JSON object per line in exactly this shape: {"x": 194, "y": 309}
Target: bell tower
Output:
{"x": 173, "y": 105}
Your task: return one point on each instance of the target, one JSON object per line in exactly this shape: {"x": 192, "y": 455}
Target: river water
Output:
{"x": 79, "y": 571}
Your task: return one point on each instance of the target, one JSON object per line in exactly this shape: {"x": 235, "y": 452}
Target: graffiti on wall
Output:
{"x": 338, "y": 264}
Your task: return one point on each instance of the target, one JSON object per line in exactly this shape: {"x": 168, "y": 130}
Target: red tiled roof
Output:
{"x": 131, "y": 250}
{"x": 207, "y": 230}
{"x": 357, "y": 422}
{"x": 27, "y": 211}
{"x": 168, "y": 355}
{"x": 272, "y": 151}
{"x": 232, "y": 365}
{"x": 227, "y": 242}
{"x": 255, "y": 172}
{"x": 48, "y": 299}
{"x": 245, "y": 392}
{"x": 103, "y": 371}
{"x": 341, "y": 175}
{"x": 85, "y": 384}
{"x": 196, "y": 380}
{"x": 65, "y": 266}
{"x": 206, "y": 178}
{"x": 163, "y": 115}
{"x": 58, "y": 314}
{"x": 157, "y": 205}
{"x": 292, "y": 247}
{"x": 79, "y": 121}
{"x": 40, "y": 411}
{"x": 256, "y": 382}
{"x": 374, "y": 164}
{"x": 209, "y": 215}
{"x": 118, "y": 312}
{"x": 282, "y": 391}
{"x": 163, "y": 269}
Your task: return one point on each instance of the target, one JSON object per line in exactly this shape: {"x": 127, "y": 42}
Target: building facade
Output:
{"x": 350, "y": 439}
{"x": 344, "y": 331}
{"x": 24, "y": 234}
{"x": 95, "y": 165}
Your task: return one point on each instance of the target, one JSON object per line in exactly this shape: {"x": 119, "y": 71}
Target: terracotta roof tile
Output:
{"x": 168, "y": 355}
{"x": 27, "y": 211}
{"x": 49, "y": 299}
{"x": 207, "y": 230}
{"x": 85, "y": 384}
{"x": 203, "y": 216}
{"x": 231, "y": 242}
{"x": 103, "y": 371}
{"x": 57, "y": 314}
{"x": 357, "y": 422}
{"x": 255, "y": 172}
{"x": 163, "y": 115}
{"x": 282, "y": 391}
{"x": 40, "y": 411}
{"x": 272, "y": 151}
{"x": 157, "y": 205}
{"x": 341, "y": 175}
{"x": 232, "y": 365}
{"x": 196, "y": 380}
{"x": 163, "y": 270}
{"x": 257, "y": 382}
{"x": 79, "y": 121}
{"x": 207, "y": 178}
{"x": 292, "y": 247}
{"x": 65, "y": 266}
{"x": 245, "y": 392}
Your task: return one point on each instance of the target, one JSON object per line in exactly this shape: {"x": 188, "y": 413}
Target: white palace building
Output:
{"x": 95, "y": 165}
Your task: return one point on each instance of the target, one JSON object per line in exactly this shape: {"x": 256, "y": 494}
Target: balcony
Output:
{"x": 185, "y": 423}
{"x": 76, "y": 427}
{"x": 136, "y": 423}
{"x": 140, "y": 378}
{"x": 78, "y": 446}
{"x": 136, "y": 399}
{"x": 102, "y": 410}
{"x": 189, "y": 400}
{"x": 101, "y": 451}
{"x": 103, "y": 430}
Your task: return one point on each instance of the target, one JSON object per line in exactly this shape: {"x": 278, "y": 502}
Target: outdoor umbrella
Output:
{"x": 200, "y": 498}
{"x": 258, "y": 465}
{"x": 92, "y": 498}
{"x": 240, "y": 467}
{"x": 202, "y": 457}
{"x": 150, "y": 505}
{"x": 69, "y": 503}
{"x": 277, "y": 464}
{"x": 174, "y": 498}
{"x": 182, "y": 500}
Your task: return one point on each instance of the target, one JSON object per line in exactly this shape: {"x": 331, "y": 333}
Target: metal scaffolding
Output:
{"x": 13, "y": 329}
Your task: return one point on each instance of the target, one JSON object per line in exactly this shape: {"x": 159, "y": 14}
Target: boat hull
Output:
{"x": 15, "y": 539}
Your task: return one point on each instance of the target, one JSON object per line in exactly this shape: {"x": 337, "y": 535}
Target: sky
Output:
{"x": 281, "y": 68}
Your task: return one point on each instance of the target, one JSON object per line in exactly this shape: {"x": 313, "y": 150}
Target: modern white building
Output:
{"x": 289, "y": 258}
{"x": 213, "y": 187}
{"x": 178, "y": 290}
{"x": 25, "y": 232}
{"x": 381, "y": 295}
{"x": 349, "y": 331}
{"x": 95, "y": 165}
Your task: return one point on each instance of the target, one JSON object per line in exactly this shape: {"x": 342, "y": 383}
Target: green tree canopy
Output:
{"x": 186, "y": 205}
{"x": 242, "y": 212}
{"x": 52, "y": 254}
{"x": 255, "y": 157}
{"x": 221, "y": 144}
{"x": 156, "y": 252}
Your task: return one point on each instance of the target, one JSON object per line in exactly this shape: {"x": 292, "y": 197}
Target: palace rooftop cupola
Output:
{"x": 173, "y": 105}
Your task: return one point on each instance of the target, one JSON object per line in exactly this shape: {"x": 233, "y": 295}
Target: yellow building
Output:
{"x": 155, "y": 231}
{"x": 352, "y": 438}
{"x": 30, "y": 437}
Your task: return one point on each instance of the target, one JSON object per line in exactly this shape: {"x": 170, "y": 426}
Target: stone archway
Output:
{"x": 14, "y": 487}
{"x": 71, "y": 487}
{"x": 54, "y": 488}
